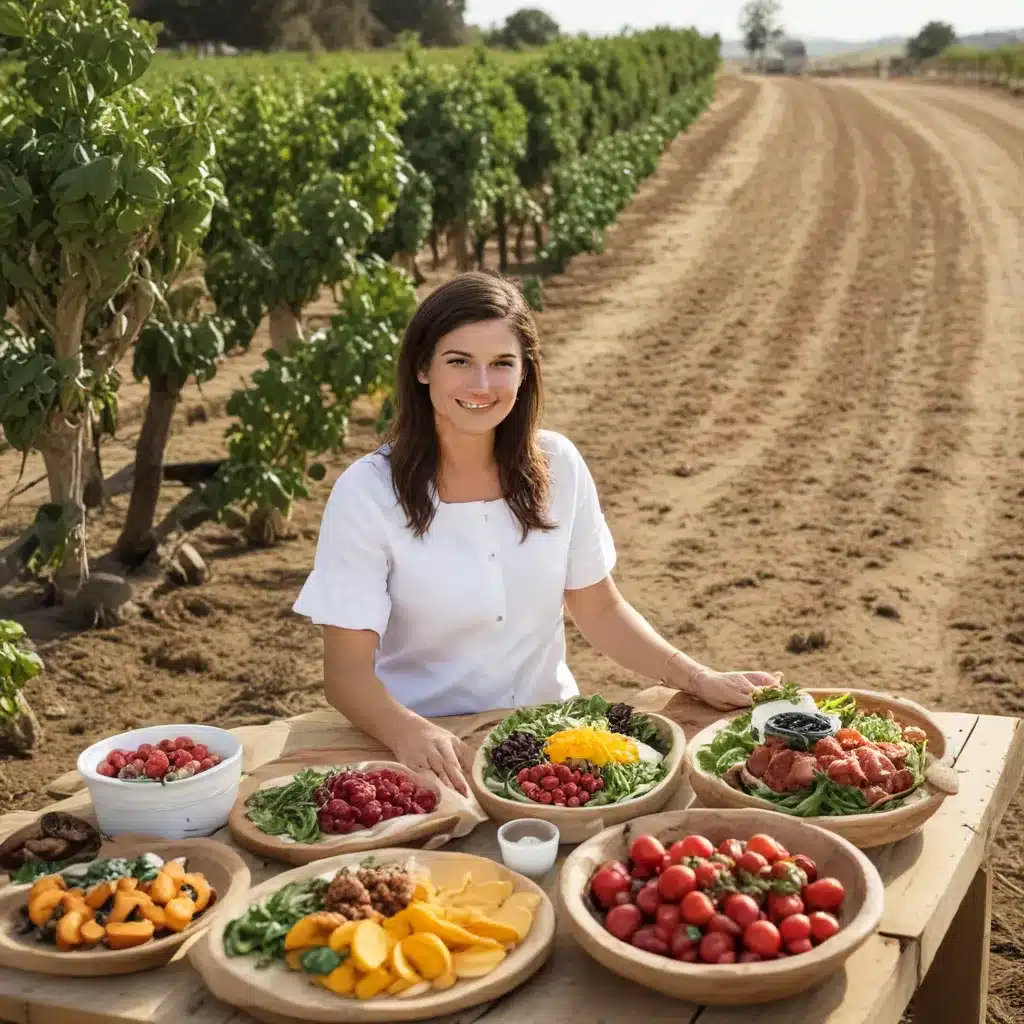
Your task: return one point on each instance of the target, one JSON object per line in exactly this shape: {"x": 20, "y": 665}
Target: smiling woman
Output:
{"x": 446, "y": 558}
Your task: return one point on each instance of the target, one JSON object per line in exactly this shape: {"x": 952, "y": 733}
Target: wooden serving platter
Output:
{"x": 224, "y": 869}
{"x": 277, "y": 994}
{"x": 576, "y": 824}
{"x": 863, "y": 830}
{"x": 726, "y": 984}
{"x": 453, "y": 816}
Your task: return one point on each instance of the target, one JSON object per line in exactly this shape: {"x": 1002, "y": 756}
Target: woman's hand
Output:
{"x": 423, "y": 746}
{"x": 728, "y": 690}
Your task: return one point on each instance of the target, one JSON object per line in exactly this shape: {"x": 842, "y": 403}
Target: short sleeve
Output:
{"x": 348, "y": 586}
{"x": 591, "y": 548}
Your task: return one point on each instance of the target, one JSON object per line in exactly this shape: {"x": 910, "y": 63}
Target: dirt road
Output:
{"x": 798, "y": 376}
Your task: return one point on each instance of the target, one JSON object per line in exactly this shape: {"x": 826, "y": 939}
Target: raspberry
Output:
{"x": 145, "y": 749}
{"x": 205, "y": 764}
{"x": 155, "y": 769}
{"x": 583, "y": 796}
{"x": 426, "y": 799}
{"x": 106, "y": 769}
{"x": 167, "y": 746}
{"x": 371, "y": 813}
{"x": 116, "y": 760}
{"x": 182, "y": 758}
{"x": 545, "y": 797}
{"x": 184, "y": 743}
{"x": 549, "y": 782}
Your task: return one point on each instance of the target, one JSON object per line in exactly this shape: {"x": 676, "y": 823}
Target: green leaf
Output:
{"x": 12, "y": 19}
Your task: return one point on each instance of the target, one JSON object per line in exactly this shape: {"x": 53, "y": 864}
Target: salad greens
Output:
{"x": 289, "y": 809}
{"x": 262, "y": 929}
{"x": 622, "y": 781}
{"x": 145, "y": 868}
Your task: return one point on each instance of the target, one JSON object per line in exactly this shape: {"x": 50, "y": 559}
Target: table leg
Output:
{"x": 956, "y": 986}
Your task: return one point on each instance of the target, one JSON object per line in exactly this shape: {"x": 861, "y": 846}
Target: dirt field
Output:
{"x": 798, "y": 376}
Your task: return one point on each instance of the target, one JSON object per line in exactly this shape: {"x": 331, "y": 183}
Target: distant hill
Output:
{"x": 732, "y": 49}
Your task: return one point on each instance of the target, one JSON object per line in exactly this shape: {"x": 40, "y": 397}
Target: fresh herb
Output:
{"x": 627, "y": 781}
{"x": 517, "y": 751}
{"x": 262, "y": 929}
{"x": 321, "y": 960}
{"x": 731, "y": 745}
{"x": 290, "y": 809}
{"x": 783, "y": 691}
{"x": 32, "y": 870}
{"x": 877, "y": 728}
{"x": 845, "y": 707}
{"x": 145, "y": 868}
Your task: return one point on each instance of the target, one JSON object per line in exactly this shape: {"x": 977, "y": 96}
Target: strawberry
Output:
{"x": 200, "y": 752}
{"x": 184, "y": 743}
{"x": 167, "y": 746}
{"x": 145, "y": 749}
{"x": 116, "y": 760}
{"x": 155, "y": 769}
{"x": 106, "y": 769}
{"x": 138, "y": 763}
{"x": 206, "y": 764}
{"x": 181, "y": 758}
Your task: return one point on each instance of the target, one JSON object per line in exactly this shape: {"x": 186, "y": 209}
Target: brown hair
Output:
{"x": 472, "y": 297}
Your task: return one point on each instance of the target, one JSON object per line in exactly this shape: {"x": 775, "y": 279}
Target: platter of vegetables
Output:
{"x": 868, "y": 766}
{"x": 582, "y": 764}
{"x": 733, "y": 907}
{"x": 395, "y": 935}
{"x": 303, "y": 807}
{"x": 127, "y": 910}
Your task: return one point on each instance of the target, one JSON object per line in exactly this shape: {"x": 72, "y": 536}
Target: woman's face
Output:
{"x": 474, "y": 376}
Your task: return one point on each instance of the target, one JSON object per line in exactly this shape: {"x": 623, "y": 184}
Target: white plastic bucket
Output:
{"x": 197, "y": 806}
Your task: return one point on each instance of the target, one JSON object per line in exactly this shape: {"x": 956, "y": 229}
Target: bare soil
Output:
{"x": 797, "y": 373}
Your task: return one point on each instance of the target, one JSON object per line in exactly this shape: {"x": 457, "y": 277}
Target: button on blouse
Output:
{"x": 469, "y": 617}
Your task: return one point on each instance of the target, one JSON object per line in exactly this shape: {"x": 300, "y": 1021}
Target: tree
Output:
{"x": 438, "y": 22}
{"x": 935, "y": 37}
{"x": 529, "y": 26}
{"x": 759, "y": 23}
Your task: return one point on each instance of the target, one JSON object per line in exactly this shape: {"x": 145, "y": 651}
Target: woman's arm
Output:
{"x": 352, "y": 687}
{"x": 615, "y": 628}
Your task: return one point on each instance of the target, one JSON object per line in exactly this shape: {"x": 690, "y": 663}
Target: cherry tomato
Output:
{"x": 667, "y": 918}
{"x": 762, "y": 937}
{"x": 697, "y": 908}
{"x": 731, "y": 848}
{"x": 749, "y": 957}
{"x": 685, "y": 937}
{"x": 689, "y": 956}
{"x": 642, "y": 871}
{"x": 823, "y": 926}
{"x": 696, "y": 846}
{"x": 645, "y": 938}
{"x": 606, "y": 884}
{"x": 825, "y": 894}
{"x": 648, "y": 900}
{"x": 721, "y": 923}
{"x": 751, "y": 862}
{"x": 742, "y": 909}
{"x": 713, "y": 945}
{"x": 766, "y": 846}
{"x": 807, "y": 866}
{"x": 795, "y": 928}
{"x": 624, "y": 921}
{"x": 676, "y": 881}
{"x": 799, "y": 946}
{"x": 781, "y": 907}
{"x": 706, "y": 875}
{"x": 666, "y": 862}
{"x": 787, "y": 870}
{"x": 647, "y": 850}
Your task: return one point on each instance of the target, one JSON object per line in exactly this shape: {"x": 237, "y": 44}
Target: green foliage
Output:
{"x": 17, "y": 667}
{"x": 529, "y": 26}
{"x": 935, "y": 37}
{"x": 759, "y": 24}
{"x": 298, "y": 404}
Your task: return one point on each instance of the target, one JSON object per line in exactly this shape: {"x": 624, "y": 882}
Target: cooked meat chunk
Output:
{"x": 877, "y": 767}
{"x": 847, "y": 771}
{"x": 790, "y": 770}
{"x": 759, "y": 759}
{"x": 895, "y": 753}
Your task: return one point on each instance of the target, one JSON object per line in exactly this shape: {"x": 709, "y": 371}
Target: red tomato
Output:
{"x": 706, "y": 875}
{"x": 751, "y": 862}
{"x": 666, "y": 862}
{"x": 624, "y": 921}
{"x": 647, "y": 850}
{"x": 742, "y": 909}
{"x": 807, "y": 866}
{"x": 606, "y": 884}
{"x": 697, "y": 908}
{"x": 684, "y": 938}
{"x": 749, "y": 957}
{"x": 676, "y": 881}
{"x": 795, "y": 928}
{"x": 668, "y": 917}
{"x": 781, "y": 907}
{"x": 766, "y": 846}
{"x": 642, "y": 871}
{"x": 696, "y": 846}
{"x": 731, "y": 848}
{"x": 645, "y": 938}
{"x": 648, "y": 899}
{"x": 689, "y": 956}
{"x": 762, "y": 937}
{"x": 825, "y": 894}
{"x": 799, "y": 946}
{"x": 721, "y": 923}
{"x": 713, "y": 945}
{"x": 823, "y": 926}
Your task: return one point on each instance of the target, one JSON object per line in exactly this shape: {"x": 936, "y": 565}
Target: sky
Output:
{"x": 835, "y": 19}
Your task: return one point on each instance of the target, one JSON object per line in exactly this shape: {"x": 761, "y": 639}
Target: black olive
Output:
{"x": 800, "y": 729}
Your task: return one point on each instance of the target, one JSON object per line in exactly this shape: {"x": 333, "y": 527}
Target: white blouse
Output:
{"x": 469, "y": 616}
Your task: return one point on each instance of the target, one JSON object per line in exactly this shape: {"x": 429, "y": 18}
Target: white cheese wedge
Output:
{"x": 647, "y": 753}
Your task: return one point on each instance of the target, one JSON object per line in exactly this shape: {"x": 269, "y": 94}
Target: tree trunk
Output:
{"x": 435, "y": 251}
{"x": 285, "y": 328}
{"x": 502, "y": 219}
{"x": 93, "y": 491}
{"x": 538, "y": 237}
{"x": 20, "y": 733}
{"x": 521, "y": 243}
{"x": 480, "y": 251}
{"x": 63, "y": 446}
{"x": 458, "y": 242}
{"x": 136, "y": 540}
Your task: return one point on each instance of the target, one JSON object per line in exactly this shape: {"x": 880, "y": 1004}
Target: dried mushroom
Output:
{"x": 58, "y": 837}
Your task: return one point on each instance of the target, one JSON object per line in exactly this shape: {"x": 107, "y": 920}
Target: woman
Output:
{"x": 445, "y": 557}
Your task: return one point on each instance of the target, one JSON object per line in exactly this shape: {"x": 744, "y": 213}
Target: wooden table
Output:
{"x": 932, "y": 945}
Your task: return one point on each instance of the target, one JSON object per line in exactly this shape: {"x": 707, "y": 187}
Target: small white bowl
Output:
{"x": 529, "y": 846}
{"x": 184, "y": 809}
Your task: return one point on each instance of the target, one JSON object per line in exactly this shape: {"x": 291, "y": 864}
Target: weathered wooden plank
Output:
{"x": 928, "y": 875}
{"x": 874, "y": 988}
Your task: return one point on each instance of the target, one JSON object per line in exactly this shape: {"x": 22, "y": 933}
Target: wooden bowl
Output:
{"x": 725, "y": 984}
{"x": 274, "y": 993}
{"x": 453, "y": 815}
{"x": 576, "y": 824}
{"x": 863, "y": 830}
{"x": 225, "y": 870}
